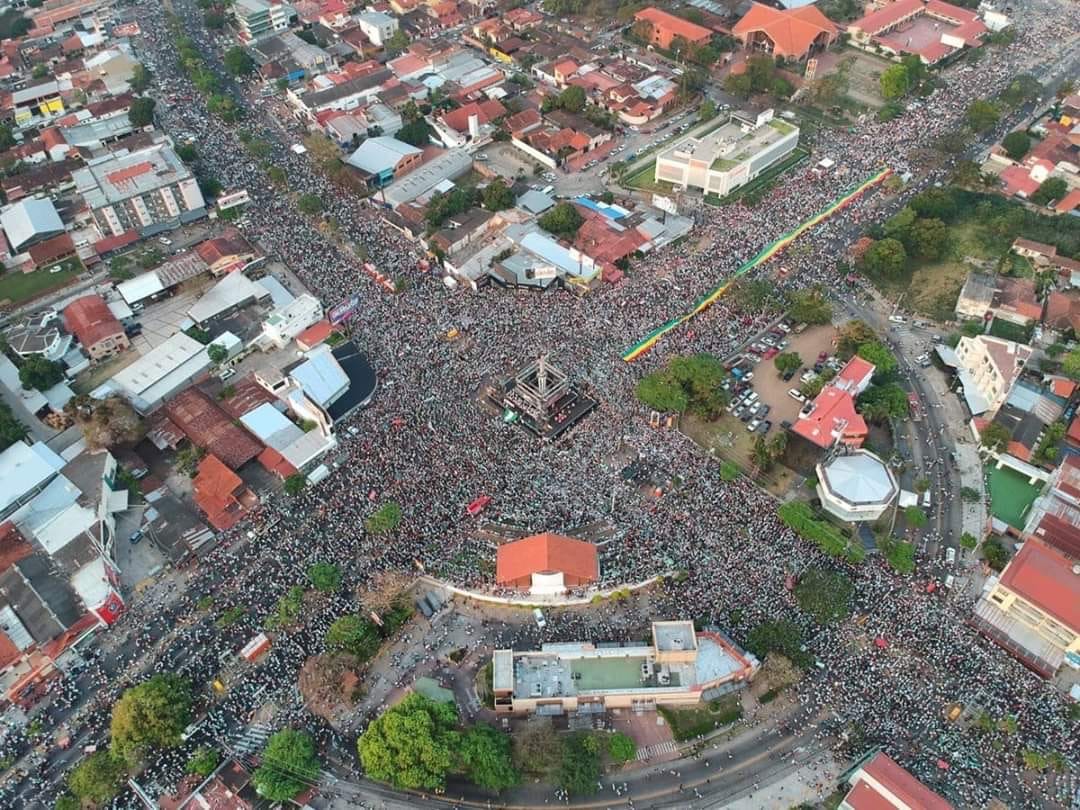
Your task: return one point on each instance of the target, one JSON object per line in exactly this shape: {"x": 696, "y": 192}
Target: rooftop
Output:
{"x": 881, "y": 784}
{"x": 1044, "y": 576}
{"x": 546, "y": 553}
{"x": 116, "y": 177}
{"x": 676, "y": 25}
{"x": 858, "y": 478}
{"x": 727, "y": 146}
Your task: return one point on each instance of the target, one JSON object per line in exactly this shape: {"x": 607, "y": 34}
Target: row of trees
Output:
{"x": 800, "y": 518}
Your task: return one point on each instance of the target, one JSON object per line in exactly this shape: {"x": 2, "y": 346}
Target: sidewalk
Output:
{"x": 809, "y": 784}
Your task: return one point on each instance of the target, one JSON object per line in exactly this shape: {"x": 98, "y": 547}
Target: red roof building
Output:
{"x": 791, "y": 33}
{"x": 832, "y": 420}
{"x": 1042, "y": 575}
{"x": 881, "y": 784}
{"x": 226, "y": 253}
{"x": 930, "y": 29}
{"x": 855, "y": 376}
{"x": 98, "y": 330}
{"x": 207, "y": 426}
{"x": 546, "y": 563}
{"x": 220, "y": 493}
{"x": 314, "y": 335}
{"x": 51, "y": 251}
{"x": 666, "y": 27}
{"x": 485, "y": 112}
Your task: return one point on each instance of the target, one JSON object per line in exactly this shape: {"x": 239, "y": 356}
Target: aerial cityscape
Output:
{"x": 494, "y": 403}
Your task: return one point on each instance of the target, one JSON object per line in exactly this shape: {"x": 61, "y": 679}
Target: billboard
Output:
{"x": 344, "y": 310}
{"x": 665, "y": 203}
{"x": 233, "y": 199}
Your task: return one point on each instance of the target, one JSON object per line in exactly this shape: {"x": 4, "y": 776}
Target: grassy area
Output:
{"x": 727, "y": 440}
{"x": 1010, "y": 331}
{"x": 96, "y": 375}
{"x": 762, "y": 180}
{"x": 934, "y": 288}
{"x": 688, "y": 724}
{"x": 1011, "y": 495}
{"x": 17, "y": 288}
{"x": 643, "y": 180}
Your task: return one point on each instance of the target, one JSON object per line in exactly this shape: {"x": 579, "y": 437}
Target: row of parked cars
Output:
{"x": 747, "y": 408}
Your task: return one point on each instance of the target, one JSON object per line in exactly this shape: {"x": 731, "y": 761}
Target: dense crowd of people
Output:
{"x": 425, "y": 444}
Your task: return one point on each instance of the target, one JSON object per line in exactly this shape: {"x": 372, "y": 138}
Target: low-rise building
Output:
{"x": 220, "y": 493}
{"x": 878, "y": 783}
{"x": 930, "y": 29}
{"x": 168, "y": 368}
{"x": 729, "y": 156}
{"x": 28, "y": 222}
{"x": 988, "y": 368}
{"x": 149, "y": 191}
{"x": 91, "y": 321}
{"x": 382, "y": 159}
{"x": 285, "y": 323}
{"x": 259, "y": 18}
{"x": 1033, "y": 608}
{"x": 298, "y": 448}
{"x": 831, "y": 419}
{"x": 788, "y": 33}
{"x": 377, "y": 26}
{"x": 680, "y": 667}
{"x": 546, "y": 564}
{"x": 665, "y": 28}
{"x": 856, "y": 486}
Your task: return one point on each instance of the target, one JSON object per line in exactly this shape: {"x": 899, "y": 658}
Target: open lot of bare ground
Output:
{"x": 861, "y": 72}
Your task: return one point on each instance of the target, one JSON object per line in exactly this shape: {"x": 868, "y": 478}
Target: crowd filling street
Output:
{"x": 425, "y": 444}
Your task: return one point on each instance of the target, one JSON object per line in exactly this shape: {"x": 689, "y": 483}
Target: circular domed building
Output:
{"x": 856, "y": 486}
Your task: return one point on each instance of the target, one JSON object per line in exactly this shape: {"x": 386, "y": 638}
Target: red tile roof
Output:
{"x": 209, "y": 427}
{"x": 834, "y": 412}
{"x": 272, "y": 461}
{"x": 881, "y": 784}
{"x": 110, "y": 243}
{"x": 52, "y": 250}
{"x": 792, "y": 31}
{"x": 314, "y": 334}
{"x": 854, "y": 373}
{"x": 1043, "y": 576}
{"x": 1059, "y": 533}
{"x": 675, "y": 26}
{"x": 213, "y": 489}
{"x": 523, "y": 122}
{"x": 129, "y": 173}
{"x": 546, "y": 552}
{"x": 90, "y": 320}
{"x": 458, "y": 120}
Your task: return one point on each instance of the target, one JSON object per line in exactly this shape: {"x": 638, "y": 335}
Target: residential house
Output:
{"x": 377, "y": 26}
{"x": 91, "y": 321}
{"x": 221, "y": 494}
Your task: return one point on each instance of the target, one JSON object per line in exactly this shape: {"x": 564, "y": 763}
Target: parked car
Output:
{"x": 753, "y": 425}
{"x": 897, "y": 319}
{"x": 796, "y": 395}
{"x": 787, "y": 375}
{"x": 764, "y": 410}
{"x": 746, "y": 417}
{"x": 950, "y": 555}
{"x": 766, "y": 426}
{"x": 136, "y": 536}
{"x": 752, "y": 397}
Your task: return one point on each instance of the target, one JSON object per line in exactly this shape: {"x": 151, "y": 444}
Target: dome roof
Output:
{"x": 859, "y": 478}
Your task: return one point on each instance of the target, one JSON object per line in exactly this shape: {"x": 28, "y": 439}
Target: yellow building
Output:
{"x": 680, "y": 667}
{"x": 1033, "y": 608}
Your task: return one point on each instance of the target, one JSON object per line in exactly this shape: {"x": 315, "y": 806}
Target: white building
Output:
{"x": 166, "y": 369}
{"x": 856, "y": 486}
{"x": 988, "y": 368}
{"x": 285, "y": 323}
{"x": 301, "y": 449}
{"x": 260, "y": 18}
{"x": 28, "y": 222}
{"x": 377, "y": 26}
{"x": 730, "y": 156}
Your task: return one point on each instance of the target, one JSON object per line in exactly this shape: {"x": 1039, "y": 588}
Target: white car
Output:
{"x": 950, "y": 555}
{"x": 753, "y": 425}
{"x": 165, "y": 241}
{"x": 796, "y": 395}
{"x": 752, "y": 397}
{"x": 897, "y": 319}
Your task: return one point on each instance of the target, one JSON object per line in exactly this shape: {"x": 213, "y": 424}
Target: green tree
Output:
{"x": 140, "y": 78}
{"x": 915, "y": 517}
{"x": 397, "y": 42}
{"x": 880, "y": 403}
{"x": 326, "y": 577}
{"x": 1051, "y": 189}
{"x": 415, "y": 133}
{"x": 412, "y": 745}
{"x": 787, "y": 361}
{"x": 899, "y": 554}
{"x": 289, "y": 766}
{"x": 824, "y": 595}
{"x": 707, "y": 111}
{"x": 204, "y": 761}
{"x": 141, "y": 112}
{"x": 1016, "y": 144}
{"x": 686, "y": 383}
{"x": 995, "y": 436}
{"x": 295, "y": 484}
{"x": 662, "y": 392}
{"x": 354, "y": 634}
{"x": 780, "y": 636}
{"x": 67, "y": 801}
{"x": 579, "y": 770}
{"x": 150, "y": 715}
{"x": 277, "y": 176}
{"x": 572, "y": 99}
{"x": 968, "y": 541}
{"x": 563, "y": 220}
{"x": 875, "y": 352}
{"x": 98, "y": 777}
{"x": 739, "y": 85}
{"x": 217, "y": 353}
{"x": 936, "y": 203}
{"x": 384, "y": 519}
{"x": 729, "y": 471}
{"x": 40, "y": 374}
{"x": 11, "y": 429}
{"x": 187, "y": 152}
{"x": 886, "y": 258}
{"x": 852, "y": 335}
{"x": 497, "y": 196}
{"x": 899, "y": 224}
{"x": 238, "y": 62}
{"x": 810, "y": 307}
{"x": 928, "y": 238}
{"x": 485, "y": 758}
{"x": 621, "y": 747}
{"x": 981, "y": 115}
{"x": 214, "y": 19}
{"x": 894, "y": 82}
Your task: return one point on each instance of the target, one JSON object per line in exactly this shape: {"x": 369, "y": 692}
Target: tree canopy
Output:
{"x": 151, "y": 715}
{"x": 326, "y": 577}
{"x": 1016, "y": 144}
{"x": 982, "y": 115}
{"x": 563, "y": 220}
{"x": 354, "y": 634}
{"x": 878, "y": 353}
{"x": 289, "y": 766}
{"x": 810, "y": 307}
{"x": 894, "y": 82}
{"x": 141, "y": 111}
{"x": 39, "y": 373}
{"x": 485, "y": 758}
{"x": 1051, "y": 189}
{"x": 384, "y": 519}
{"x": 11, "y": 429}
{"x": 238, "y": 62}
{"x": 825, "y": 595}
{"x": 98, "y": 777}
{"x": 579, "y": 770}
{"x": 412, "y": 745}
{"x": 498, "y": 196}
{"x": 787, "y": 361}
{"x": 880, "y": 403}
{"x": 886, "y": 258}
{"x": 686, "y": 383}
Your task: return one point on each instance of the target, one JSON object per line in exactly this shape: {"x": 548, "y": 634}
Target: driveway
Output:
{"x": 140, "y": 561}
